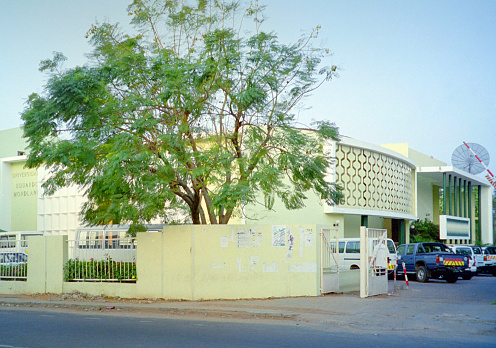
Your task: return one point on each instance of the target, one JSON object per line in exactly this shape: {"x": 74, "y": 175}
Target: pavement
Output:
{"x": 405, "y": 311}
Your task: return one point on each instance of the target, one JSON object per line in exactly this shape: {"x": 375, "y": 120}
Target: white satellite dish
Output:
{"x": 470, "y": 157}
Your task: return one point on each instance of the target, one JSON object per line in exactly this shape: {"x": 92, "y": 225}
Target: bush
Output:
{"x": 13, "y": 271}
{"x": 103, "y": 270}
{"x": 424, "y": 231}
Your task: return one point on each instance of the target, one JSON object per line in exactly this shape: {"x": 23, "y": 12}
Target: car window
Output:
{"x": 401, "y": 250}
{"x": 341, "y": 247}
{"x": 463, "y": 251}
{"x": 409, "y": 250}
{"x": 477, "y": 250}
{"x": 353, "y": 247}
{"x": 491, "y": 250}
{"x": 391, "y": 247}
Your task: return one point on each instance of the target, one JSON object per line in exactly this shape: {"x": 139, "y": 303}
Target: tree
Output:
{"x": 186, "y": 113}
{"x": 424, "y": 231}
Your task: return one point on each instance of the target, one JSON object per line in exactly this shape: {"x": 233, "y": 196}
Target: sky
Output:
{"x": 416, "y": 72}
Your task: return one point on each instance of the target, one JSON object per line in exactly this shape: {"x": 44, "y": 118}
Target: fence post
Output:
{"x": 56, "y": 257}
{"x": 149, "y": 265}
{"x": 47, "y": 257}
{"x": 36, "y": 265}
{"x": 364, "y": 262}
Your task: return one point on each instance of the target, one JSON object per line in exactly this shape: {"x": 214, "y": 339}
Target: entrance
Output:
{"x": 329, "y": 261}
{"x": 373, "y": 262}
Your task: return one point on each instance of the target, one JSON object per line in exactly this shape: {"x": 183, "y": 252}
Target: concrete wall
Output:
{"x": 12, "y": 142}
{"x": 193, "y": 263}
{"x": 230, "y": 262}
{"x": 425, "y": 206}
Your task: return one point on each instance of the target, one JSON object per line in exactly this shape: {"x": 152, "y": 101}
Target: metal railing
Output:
{"x": 102, "y": 260}
{"x": 13, "y": 259}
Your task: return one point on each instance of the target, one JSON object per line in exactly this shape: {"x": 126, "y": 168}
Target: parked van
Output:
{"x": 349, "y": 253}
{"x": 106, "y": 242}
{"x": 14, "y": 247}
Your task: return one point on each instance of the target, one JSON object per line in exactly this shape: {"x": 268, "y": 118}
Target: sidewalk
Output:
{"x": 406, "y": 311}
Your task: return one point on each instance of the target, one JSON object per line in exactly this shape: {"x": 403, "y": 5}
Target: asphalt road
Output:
{"x": 22, "y": 328}
{"x": 433, "y": 314}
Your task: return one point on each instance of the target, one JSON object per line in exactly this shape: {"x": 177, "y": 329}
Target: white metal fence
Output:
{"x": 329, "y": 260}
{"x": 13, "y": 259}
{"x": 105, "y": 260}
{"x": 373, "y": 262}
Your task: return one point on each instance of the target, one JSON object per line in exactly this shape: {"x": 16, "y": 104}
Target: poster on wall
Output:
{"x": 278, "y": 236}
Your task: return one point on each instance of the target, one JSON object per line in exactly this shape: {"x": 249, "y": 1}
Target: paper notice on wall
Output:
{"x": 309, "y": 239}
{"x": 270, "y": 267}
{"x": 256, "y": 239}
{"x": 218, "y": 264}
{"x": 244, "y": 238}
{"x": 302, "y": 240}
{"x": 278, "y": 236}
{"x": 303, "y": 267}
{"x": 291, "y": 241}
{"x": 241, "y": 267}
{"x": 254, "y": 261}
{"x": 224, "y": 241}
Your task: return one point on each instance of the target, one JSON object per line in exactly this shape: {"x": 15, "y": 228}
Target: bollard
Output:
{"x": 394, "y": 277}
{"x": 406, "y": 277}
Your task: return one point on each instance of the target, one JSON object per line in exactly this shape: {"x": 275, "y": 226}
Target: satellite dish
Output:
{"x": 464, "y": 158}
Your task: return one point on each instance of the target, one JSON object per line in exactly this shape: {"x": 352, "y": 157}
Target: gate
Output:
{"x": 373, "y": 262}
{"x": 329, "y": 261}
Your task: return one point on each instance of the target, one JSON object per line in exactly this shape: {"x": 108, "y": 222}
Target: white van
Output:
{"x": 14, "y": 247}
{"x": 106, "y": 241}
{"x": 349, "y": 253}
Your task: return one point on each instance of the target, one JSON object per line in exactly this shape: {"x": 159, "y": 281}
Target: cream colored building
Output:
{"x": 389, "y": 187}
{"x": 385, "y": 186}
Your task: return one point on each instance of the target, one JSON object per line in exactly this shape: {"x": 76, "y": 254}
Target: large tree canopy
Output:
{"x": 186, "y": 113}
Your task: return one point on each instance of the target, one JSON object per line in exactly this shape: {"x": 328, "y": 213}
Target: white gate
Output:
{"x": 329, "y": 261}
{"x": 373, "y": 262}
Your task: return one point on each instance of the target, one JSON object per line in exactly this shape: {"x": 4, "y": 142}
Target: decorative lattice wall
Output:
{"x": 373, "y": 180}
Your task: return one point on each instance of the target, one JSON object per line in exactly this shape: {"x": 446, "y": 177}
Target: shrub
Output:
{"x": 424, "y": 231}
{"x": 103, "y": 270}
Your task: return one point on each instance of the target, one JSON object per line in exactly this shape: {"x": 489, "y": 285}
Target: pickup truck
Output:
{"x": 431, "y": 260}
{"x": 490, "y": 260}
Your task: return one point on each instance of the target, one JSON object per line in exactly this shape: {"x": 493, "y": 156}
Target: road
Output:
{"x": 434, "y": 314}
{"x": 21, "y": 328}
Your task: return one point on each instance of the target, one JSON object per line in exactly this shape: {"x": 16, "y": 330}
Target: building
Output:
{"x": 389, "y": 187}
{"x": 386, "y": 187}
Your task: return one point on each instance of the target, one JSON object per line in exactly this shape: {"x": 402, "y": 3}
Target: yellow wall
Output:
{"x": 24, "y": 185}
{"x": 401, "y": 148}
{"x": 196, "y": 262}
{"x": 231, "y": 262}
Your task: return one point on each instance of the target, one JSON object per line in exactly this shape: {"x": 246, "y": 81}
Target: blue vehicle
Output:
{"x": 431, "y": 260}
{"x": 13, "y": 258}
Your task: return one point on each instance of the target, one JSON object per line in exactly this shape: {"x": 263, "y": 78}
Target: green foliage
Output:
{"x": 75, "y": 270}
{"x": 196, "y": 118}
{"x": 13, "y": 271}
{"x": 424, "y": 231}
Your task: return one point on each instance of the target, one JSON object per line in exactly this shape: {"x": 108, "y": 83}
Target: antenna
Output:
{"x": 471, "y": 158}
{"x": 460, "y": 160}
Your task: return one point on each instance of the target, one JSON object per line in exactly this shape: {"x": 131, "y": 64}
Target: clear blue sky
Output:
{"x": 421, "y": 72}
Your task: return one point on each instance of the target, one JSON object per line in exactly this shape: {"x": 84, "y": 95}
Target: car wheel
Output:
{"x": 422, "y": 275}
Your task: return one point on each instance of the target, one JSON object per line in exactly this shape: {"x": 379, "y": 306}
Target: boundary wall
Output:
{"x": 194, "y": 262}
